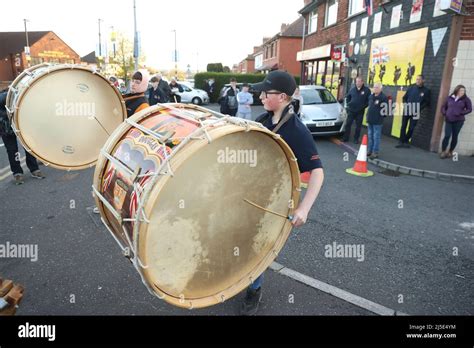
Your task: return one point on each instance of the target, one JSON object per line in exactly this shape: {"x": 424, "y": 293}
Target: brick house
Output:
{"x": 45, "y": 46}
{"x": 400, "y": 33}
{"x": 279, "y": 52}
{"x": 247, "y": 66}
{"x": 326, "y": 34}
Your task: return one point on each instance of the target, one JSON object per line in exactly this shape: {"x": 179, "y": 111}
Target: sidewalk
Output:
{"x": 419, "y": 162}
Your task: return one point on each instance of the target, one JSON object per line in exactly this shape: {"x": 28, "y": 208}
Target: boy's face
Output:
{"x": 245, "y": 89}
{"x": 272, "y": 100}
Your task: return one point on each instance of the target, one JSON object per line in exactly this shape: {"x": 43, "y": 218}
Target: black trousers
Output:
{"x": 405, "y": 135}
{"x": 11, "y": 145}
{"x": 358, "y": 117}
{"x": 451, "y": 129}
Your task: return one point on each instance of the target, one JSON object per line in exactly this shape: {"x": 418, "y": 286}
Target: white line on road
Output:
{"x": 7, "y": 168}
{"x": 332, "y": 290}
{"x": 8, "y": 173}
{"x": 1, "y": 145}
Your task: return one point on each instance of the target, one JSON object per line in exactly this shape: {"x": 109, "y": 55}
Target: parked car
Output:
{"x": 193, "y": 95}
{"x": 255, "y": 94}
{"x": 321, "y": 112}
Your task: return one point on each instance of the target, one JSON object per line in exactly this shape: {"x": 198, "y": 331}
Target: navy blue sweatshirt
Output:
{"x": 357, "y": 100}
{"x": 378, "y": 108}
{"x": 417, "y": 95}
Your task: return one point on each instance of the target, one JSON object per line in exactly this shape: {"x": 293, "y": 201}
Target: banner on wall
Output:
{"x": 395, "y": 60}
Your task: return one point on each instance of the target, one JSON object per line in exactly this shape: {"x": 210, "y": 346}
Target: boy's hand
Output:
{"x": 299, "y": 217}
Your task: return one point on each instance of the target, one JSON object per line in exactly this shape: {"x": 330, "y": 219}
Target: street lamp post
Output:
{"x": 100, "y": 44}
{"x": 135, "y": 41}
{"x": 175, "y": 55}
{"x": 27, "y": 50}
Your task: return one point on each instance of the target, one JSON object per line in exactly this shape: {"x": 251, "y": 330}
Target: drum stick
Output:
{"x": 289, "y": 217}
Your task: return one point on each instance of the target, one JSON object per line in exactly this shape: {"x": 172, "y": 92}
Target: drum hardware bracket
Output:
{"x": 107, "y": 204}
{"x": 147, "y": 131}
{"x": 289, "y": 217}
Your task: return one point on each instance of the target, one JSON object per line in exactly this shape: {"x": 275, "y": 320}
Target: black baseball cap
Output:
{"x": 277, "y": 80}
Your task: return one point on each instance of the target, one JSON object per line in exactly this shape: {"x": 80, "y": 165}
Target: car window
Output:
{"x": 317, "y": 96}
{"x": 186, "y": 88}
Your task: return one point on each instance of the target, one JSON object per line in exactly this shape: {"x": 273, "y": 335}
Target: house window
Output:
{"x": 313, "y": 22}
{"x": 355, "y": 7}
{"x": 331, "y": 12}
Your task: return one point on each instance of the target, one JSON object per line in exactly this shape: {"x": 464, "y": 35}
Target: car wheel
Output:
{"x": 197, "y": 101}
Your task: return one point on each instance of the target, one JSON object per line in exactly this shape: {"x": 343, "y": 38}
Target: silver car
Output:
{"x": 321, "y": 112}
{"x": 193, "y": 95}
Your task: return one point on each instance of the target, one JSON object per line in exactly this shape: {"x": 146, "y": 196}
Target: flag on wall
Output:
{"x": 369, "y": 7}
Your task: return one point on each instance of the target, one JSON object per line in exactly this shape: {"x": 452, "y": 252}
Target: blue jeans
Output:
{"x": 375, "y": 134}
{"x": 257, "y": 283}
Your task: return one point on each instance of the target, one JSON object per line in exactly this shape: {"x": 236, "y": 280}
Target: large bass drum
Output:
{"x": 64, "y": 114}
{"x": 177, "y": 186}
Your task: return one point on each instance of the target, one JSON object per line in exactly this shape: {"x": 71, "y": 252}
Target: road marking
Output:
{"x": 334, "y": 291}
{"x": 7, "y": 168}
{"x": 2, "y": 145}
{"x": 6, "y": 175}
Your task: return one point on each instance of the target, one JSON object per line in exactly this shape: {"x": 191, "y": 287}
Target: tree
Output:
{"x": 215, "y": 67}
{"x": 124, "y": 57}
{"x": 226, "y": 69}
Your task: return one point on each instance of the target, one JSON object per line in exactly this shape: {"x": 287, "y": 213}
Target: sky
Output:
{"x": 207, "y": 31}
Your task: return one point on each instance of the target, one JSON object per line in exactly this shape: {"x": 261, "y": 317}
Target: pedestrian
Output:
{"x": 245, "y": 100}
{"x": 276, "y": 95}
{"x": 297, "y": 101}
{"x": 11, "y": 145}
{"x": 228, "y": 101}
{"x": 377, "y": 111}
{"x": 416, "y": 98}
{"x": 155, "y": 94}
{"x": 175, "y": 89}
{"x": 136, "y": 100}
{"x": 357, "y": 100}
{"x": 164, "y": 87}
{"x": 454, "y": 109}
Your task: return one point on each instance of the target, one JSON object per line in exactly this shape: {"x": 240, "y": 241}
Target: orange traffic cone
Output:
{"x": 304, "y": 177}
{"x": 360, "y": 166}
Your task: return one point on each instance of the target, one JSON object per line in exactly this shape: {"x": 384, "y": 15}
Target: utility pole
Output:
{"x": 100, "y": 45}
{"x": 175, "y": 55}
{"x": 135, "y": 41}
{"x": 27, "y": 49}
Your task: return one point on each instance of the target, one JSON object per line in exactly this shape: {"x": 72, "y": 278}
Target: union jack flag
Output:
{"x": 380, "y": 55}
{"x": 369, "y": 6}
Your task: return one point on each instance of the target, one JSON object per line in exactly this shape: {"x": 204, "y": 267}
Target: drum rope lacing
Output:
{"x": 198, "y": 134}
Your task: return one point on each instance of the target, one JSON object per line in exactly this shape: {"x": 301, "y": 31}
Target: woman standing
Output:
{"x": 136, "y": 100}
{"x": 454, "y": 109}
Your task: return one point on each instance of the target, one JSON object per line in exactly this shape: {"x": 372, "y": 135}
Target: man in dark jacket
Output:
{"x": 356, "y": 101}
{"x": 165, "y": 89}
{"x": 155, "y": 94}
{"x": 378, "y": 110}
{"x": 175, "y": 88}
{"x": 228, "y": 101}
{"x": 415, "y": 100}
{"x": 11, "y": 145}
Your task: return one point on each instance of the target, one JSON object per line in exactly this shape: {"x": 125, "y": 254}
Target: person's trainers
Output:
{"x": 37, "y": 174}
{"x": 251, "y": 301}
{"x": 96, "y": 210}
{"x": 19, "y": 179}
{"x": 374, "y": 155}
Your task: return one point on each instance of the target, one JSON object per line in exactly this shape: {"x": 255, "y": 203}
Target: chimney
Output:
{"x": 283, "y": 27}
{"x": 256, "y": 49}
{"x": 307, "y": 2}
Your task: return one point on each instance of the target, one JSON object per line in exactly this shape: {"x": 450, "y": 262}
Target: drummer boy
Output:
{"x": 276, "y": 92}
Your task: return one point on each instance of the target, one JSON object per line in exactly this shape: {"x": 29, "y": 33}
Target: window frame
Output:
{"x": 336, "y": 3}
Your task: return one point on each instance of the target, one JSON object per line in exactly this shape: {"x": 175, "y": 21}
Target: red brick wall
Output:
{"x": 46, "y": 44}
{"x": 467, "y": 32}
{"x": 336, "y": 34}
{"x": 287, "y": 49}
